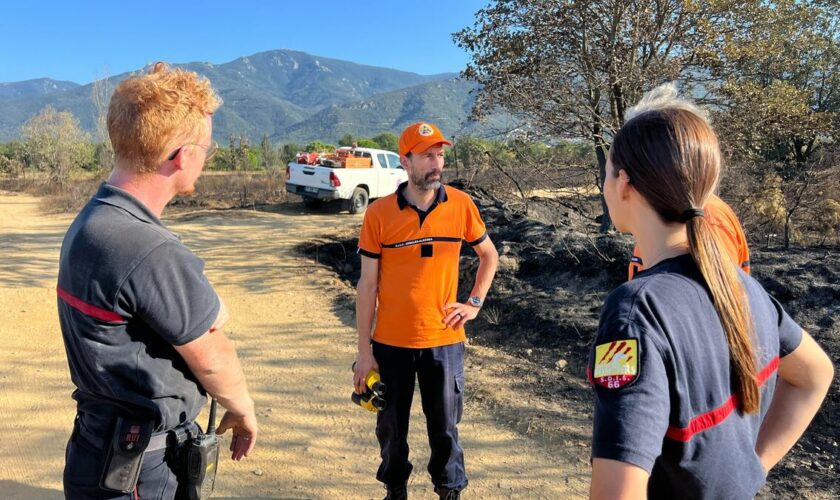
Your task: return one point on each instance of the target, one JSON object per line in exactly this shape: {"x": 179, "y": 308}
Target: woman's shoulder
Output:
{"x": 651, "y": 298}
{"x": 664, "y": 282}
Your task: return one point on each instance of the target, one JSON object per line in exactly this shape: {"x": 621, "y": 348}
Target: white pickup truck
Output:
{"x": 357, "y": 186}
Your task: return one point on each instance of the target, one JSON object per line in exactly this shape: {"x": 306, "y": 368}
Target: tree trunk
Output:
{"x": 787, "y": 230}
{"x": 601, "y": 154}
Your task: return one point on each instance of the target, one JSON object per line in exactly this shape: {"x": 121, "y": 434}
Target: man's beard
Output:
{"x": 424, "y": 183}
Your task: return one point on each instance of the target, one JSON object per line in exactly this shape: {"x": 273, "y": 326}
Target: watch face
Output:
{"x": 476, "y": 301}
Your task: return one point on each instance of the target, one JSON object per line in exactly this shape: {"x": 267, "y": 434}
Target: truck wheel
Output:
{"x": 358, "y": 201}
{"x": 313, "y": 203}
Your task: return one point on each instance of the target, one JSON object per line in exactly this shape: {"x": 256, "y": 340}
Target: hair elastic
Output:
{"x": 691, "y": 213}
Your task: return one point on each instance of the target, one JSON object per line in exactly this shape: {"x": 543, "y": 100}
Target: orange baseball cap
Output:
{"x": 419, "y": 137}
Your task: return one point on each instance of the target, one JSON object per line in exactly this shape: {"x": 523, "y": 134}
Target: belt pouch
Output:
{"x": 125, "y": 454}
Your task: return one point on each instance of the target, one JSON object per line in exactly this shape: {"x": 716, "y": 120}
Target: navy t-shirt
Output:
{"x": 660, "y": 368}
{"x": 129, "y": 291}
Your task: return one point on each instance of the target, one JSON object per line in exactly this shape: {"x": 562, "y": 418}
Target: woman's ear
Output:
{"x": 624, "y": 185}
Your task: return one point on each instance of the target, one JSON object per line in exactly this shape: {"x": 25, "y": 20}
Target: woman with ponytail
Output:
{"x": 702, "y": 381}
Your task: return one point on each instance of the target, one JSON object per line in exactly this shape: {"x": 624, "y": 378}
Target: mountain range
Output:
{"x": 285, "y": 94}
{"x": 40, "y": 86}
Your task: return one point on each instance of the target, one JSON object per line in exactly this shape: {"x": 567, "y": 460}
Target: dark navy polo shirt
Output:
{"x": 664, "y": 401}
{"x": 129, "y": 291}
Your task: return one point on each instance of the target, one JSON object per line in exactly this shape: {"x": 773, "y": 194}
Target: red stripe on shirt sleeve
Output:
{"x": 88, "y": 309}
{"x": 712, "y": 418}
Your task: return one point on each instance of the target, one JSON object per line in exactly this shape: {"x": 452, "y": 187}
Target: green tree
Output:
{"x": 288, "y": 152}
{"x": 572, "y": 68}
{"x": 269, "y": 155}
{"x": 55, "y": 143}
{"x": 388, "y": 141}
{"x": 346, "y": 140}
{"x": 12, "y": 159}
{"x": 320, "y": 147}
{"x": 237, "y": 156}
{"x": 222, "y": 160}
{"x": 775, "y": 76}
{"x": 240, "y": 153}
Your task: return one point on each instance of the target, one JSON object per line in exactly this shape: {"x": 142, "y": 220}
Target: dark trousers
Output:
{"x": 83, "y": 469}
{"x": 440, "y": 373}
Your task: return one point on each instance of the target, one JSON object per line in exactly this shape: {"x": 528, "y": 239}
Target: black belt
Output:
{"x": 159, "y": 441}
{"x": 176, "y": 437}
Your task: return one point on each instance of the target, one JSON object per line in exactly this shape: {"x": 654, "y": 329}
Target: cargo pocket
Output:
{"x": 459, "y": 397}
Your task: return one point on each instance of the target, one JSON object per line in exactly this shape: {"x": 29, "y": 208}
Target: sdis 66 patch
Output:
{"x": 616, "y": 363}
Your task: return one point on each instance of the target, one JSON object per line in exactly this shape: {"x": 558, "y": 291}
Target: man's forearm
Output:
{"x": 484, "y": 276}
{"x": 365, "y": 308}
{"x": 222, "y": 377}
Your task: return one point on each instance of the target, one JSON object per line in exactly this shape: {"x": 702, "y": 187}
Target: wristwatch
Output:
{"x": 475, "y": 301}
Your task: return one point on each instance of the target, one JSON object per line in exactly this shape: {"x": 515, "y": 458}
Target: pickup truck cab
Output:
{"x": 356, "y": 185}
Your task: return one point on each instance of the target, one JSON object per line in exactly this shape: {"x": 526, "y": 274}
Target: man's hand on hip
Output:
{"x": 458, "y": 314}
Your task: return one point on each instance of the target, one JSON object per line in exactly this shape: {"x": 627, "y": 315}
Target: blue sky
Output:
{"x": 83, "y": 40}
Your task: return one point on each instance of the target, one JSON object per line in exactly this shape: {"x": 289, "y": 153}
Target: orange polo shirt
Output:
{"x": 418, "y": 255}
{"x": 727, "y": 230}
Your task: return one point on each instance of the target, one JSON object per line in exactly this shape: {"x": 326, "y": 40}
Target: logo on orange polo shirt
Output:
{"x": 616, "y": 363}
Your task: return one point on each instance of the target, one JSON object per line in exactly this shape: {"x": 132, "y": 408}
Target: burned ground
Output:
{"x": 554, "y": 273}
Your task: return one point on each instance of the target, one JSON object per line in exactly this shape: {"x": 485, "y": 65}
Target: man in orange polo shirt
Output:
{"x": 410, "y": 246}
{"x": 725, "y": 227}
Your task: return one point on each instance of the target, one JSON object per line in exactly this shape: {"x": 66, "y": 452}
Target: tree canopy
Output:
{"x": 55, "y": 143}
{"x": 570, "y": 70}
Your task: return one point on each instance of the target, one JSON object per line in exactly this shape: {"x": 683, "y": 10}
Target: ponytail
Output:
{"x": 730, "y": 301}
{"x": 672, "y": 157}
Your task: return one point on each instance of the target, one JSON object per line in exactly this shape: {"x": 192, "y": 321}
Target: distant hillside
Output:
{"x": 446, "y": 103}
{"x": 267, "y": 93}
{"x": 306, "y": 80}
{"x": 38, "y": 87}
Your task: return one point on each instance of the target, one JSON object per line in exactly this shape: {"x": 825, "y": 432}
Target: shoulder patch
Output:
{"x": 616, "y": 363}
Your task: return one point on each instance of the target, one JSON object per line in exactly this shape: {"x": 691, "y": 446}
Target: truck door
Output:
{"x": 384, "y": 176}
{"x": 398, "y": 173}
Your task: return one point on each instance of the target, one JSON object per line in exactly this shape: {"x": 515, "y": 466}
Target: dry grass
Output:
{"x": 217, "y": 190}
{"x": 236, "y": 190}
{"x": 57, "y": 198}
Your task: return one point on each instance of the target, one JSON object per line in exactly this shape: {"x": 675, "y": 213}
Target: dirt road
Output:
{"x": 296, "y": 344}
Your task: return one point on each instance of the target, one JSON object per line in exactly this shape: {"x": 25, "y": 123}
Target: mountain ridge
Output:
{"x": 35, "y": 86}
{"x": 271, "y": 92}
